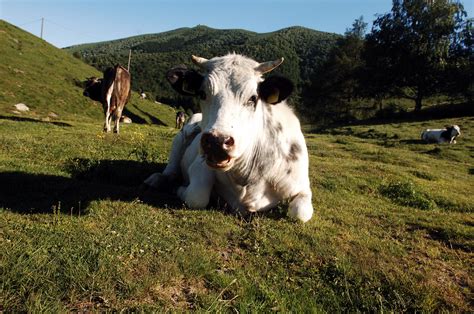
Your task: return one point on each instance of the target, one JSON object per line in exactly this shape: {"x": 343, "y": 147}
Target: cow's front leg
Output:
{"x": 172, "y": 170}
{"x": 301, "y": 207}
{"x": 201, "y": 181}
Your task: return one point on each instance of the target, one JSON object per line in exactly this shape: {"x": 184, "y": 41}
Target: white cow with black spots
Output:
{"x": 446, "y": 135}
{"x": 246, "y": 146}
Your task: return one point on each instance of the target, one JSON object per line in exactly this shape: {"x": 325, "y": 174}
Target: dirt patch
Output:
{"x": 180, "y": 293}
{"x": 441, "y": 236}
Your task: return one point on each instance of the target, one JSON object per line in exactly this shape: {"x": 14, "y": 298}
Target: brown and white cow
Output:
{"x": 113, "y": 91}
{"x": 246, "y": 147}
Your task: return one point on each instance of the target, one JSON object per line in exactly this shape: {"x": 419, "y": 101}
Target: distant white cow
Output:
{"x": 446, "y": 135}
{"x": 247, "y": 146}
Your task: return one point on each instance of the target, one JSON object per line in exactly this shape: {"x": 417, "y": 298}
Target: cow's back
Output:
{"x": 122, "y": 90}
{"x": 116, "y": 82}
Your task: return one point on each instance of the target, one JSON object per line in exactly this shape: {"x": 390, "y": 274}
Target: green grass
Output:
{"x": 76, "y": 235}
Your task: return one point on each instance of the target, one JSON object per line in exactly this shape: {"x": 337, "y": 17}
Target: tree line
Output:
{"x": 419, "y": 50}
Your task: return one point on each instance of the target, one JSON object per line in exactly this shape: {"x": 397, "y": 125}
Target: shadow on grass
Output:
{"x": 91, "y": 180}
{"x": 135, "y": 118}
{"x": 436, "y": 112}
{"x": 24, "y": 119}
{"x": 412, "y": 142}
{"x": 140, "y": 120}
{"x": 153, "y": 119}
{"x": 28, "y": 193}
{"x": 442, "y": 236}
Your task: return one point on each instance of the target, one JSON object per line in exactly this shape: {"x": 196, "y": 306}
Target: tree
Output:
{"x": 460, "y": 70}
{"x": 336, "y": 84}
{"x": 409, "y": 49}
{"x": 358, "y": 30}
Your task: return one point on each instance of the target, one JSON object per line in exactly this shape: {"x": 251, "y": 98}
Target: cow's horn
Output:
{"x": 268, "y": 66}
{"x": 199, "y": 61}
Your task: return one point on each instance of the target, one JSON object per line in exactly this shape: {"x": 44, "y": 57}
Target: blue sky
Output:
{"x": 69, "y": 22}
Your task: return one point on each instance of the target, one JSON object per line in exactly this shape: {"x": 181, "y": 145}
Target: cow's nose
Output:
{"x": 85, "y": 94}
{"x": 213, "y": 141}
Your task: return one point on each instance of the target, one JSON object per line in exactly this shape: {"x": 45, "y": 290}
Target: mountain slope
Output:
{"x": 42, "y": 76}
{"x": 49, "y": 81}
{"x": 304, "y": 51}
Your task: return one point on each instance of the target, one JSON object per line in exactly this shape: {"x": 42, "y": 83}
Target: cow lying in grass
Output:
{"x": 446, "y": 135}
{"x": 113, "y": 91}
{"x": 246, "y": 147}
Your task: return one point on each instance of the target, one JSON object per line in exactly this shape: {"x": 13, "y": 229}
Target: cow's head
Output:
{"x": 93, "y": 88}
{"x": 455, "y": 131}
{"x": 235, "y": 102}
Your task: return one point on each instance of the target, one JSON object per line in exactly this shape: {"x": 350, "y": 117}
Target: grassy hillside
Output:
{"x": 304, "y": 51}
{"x": 48, "y": 80}
{"x": 41, "y": 76}
{"x": 393, "y": 227}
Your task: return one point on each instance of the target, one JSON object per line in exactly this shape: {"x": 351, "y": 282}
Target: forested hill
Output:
{"x": 304, "y": 50}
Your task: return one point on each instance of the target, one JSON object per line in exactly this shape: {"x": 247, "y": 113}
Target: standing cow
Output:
{"x": 246, "y": 146}
{"x": 113, "y": 91}
{"x": 180, "y": 119}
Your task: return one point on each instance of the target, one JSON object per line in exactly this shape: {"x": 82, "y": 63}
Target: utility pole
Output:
{"x": 129, "y": 57}
{"x": 42, "y": 23}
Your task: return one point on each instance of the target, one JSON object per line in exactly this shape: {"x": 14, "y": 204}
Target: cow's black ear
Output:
{"x": 275, "y": 89}
{"x": 184, "y": 81}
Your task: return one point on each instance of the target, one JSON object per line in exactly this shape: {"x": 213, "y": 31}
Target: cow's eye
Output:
{"x": 252, "y": 100}
{"x": 202, "y": 95}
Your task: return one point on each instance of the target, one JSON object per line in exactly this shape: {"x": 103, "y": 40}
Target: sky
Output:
{"x": 71, "y": 22}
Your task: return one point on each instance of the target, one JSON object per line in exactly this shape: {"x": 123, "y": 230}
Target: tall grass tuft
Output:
{"x": 406, "y": 194}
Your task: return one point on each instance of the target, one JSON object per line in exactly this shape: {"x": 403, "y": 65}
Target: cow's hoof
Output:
{"x": 156, "y": 181}
{"x": 242, "y": 213}
{"x": 301, "y": 209}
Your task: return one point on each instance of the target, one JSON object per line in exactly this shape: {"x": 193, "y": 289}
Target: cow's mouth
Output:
{"x": 220, "y": 161}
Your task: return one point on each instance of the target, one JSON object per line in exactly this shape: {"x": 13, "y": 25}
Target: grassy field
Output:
{"x": 393, "y": 228}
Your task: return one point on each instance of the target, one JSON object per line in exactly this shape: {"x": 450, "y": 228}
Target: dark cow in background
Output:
{"x": 113, "y": 91}
{"x": 180, "y": 119}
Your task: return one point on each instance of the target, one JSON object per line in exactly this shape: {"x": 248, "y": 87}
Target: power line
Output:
{"x": 30, "y": 22}
{"x": 43, "y": 21}
{"x": 72, "y": 31}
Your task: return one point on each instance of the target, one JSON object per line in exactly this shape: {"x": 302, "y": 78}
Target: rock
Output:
{"x": 126, "y": 119}
{"x": 22, "y": 107}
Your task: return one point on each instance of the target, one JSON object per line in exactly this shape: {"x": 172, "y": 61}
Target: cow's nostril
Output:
{"x": 208, "y": 141}
{"x": 229, "y": 142}
{"x": 213, "y": 142}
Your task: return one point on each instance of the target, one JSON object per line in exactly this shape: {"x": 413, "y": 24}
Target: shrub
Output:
{"x": 406, "y": 194}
